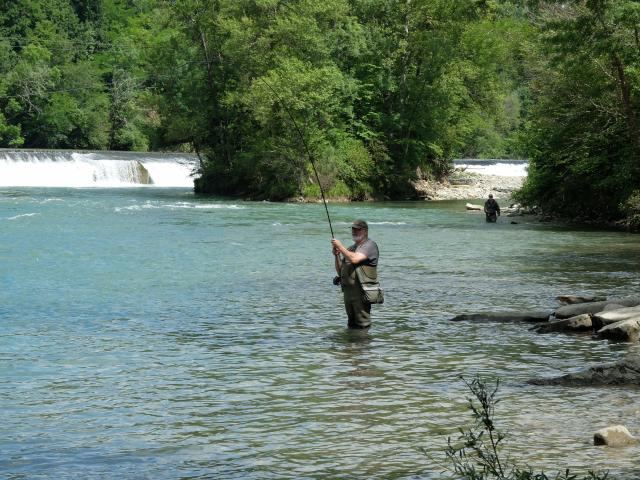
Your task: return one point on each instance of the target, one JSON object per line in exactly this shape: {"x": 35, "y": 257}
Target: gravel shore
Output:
{"x": 468, "y": 186}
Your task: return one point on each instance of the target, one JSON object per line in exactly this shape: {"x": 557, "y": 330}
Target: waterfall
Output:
{"x": 54, "y": 168}
{"x": 498, "y": 167}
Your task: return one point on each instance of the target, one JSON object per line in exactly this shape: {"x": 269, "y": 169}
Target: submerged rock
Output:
{"x": 614, "y": 436}
{"x": 540, "y": 316}
{"x": 623, "y": 331}
{"x": 622, "y": 372}
{"x": 594, "y": 307}
{"x": 573, "y": 299}
{"x": 580, "y": 323}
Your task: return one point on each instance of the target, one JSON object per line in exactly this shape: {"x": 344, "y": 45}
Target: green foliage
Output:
{"x": 9, "y": 134}
{"x": 375, "y": 89}
{"x": 477, "y": 455}
{"x": 355, "y": 167}
{"x": 583, "y": 132}
{"x": 340, "y": 190}
{"x": 58, "y": 60}
{"x": 311, "y": 191}
{"x": 369, "y": 90}
{"x": 631, "y": 209}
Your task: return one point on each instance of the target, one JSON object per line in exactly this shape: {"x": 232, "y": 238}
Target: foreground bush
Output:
{"x": 477, "y": 456}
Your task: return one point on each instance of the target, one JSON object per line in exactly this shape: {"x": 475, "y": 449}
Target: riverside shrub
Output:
{"x": 476, "y": 455}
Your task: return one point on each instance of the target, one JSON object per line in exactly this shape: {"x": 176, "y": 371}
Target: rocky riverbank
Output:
{"x": 461, "y": 185}
{"x": 614, "y": 319}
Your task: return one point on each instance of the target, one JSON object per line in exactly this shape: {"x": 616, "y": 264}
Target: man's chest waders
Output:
{"x": 358, "y": 312}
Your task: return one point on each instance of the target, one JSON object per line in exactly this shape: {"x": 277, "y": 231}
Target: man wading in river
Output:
{"x": 491, "y": 209}
{"x": 364, "y": 252}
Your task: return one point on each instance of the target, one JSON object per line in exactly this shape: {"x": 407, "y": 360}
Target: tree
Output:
{"x": 373, "y": 91}
{"x": 583, "y": 133}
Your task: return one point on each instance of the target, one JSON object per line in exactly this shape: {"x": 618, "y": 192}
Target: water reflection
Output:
{"x": 351, "y": 338}
{"x": 354, "y": 351}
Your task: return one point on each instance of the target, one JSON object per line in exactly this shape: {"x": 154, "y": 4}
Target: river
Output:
{"x": 150, "y": 333}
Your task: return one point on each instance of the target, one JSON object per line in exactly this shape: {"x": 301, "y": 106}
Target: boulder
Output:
{"x": 615, "y": 436}
{"x": 623, "y": 331}
{"x": 512, "y": 211}
{"x": 471, "y": 206}
{"x": 572, "y": 299}
{"x": 541, "y": 316}
{"x": 580, "y": 323}
{"x": 569, "y": 311}
{"x": 622, "y": 372}
{"x": 607, "y": 317}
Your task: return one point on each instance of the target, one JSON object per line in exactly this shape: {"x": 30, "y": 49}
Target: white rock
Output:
{"x": 624, "y": 331}
{"x": 614, "y": 436}
{"x": 607, "y": 317}
{"x": 620, "y": 313}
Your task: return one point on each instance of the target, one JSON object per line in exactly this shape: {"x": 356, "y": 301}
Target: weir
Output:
{"x": 106, "y": 169}
{"x": 497, "y": 167}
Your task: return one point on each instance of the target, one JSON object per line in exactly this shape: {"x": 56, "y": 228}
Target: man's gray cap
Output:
{"x": 360, "y": 225}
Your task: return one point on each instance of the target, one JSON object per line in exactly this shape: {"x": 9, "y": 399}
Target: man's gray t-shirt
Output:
{"x": 368, "y": 248}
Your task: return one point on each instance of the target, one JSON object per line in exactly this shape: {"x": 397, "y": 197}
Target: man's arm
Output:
{"x": 353, "y": 257}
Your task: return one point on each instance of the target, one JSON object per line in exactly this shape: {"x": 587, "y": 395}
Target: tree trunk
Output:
{"x": 625, "y": 96}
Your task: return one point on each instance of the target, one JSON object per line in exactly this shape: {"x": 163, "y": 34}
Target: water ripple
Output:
{"x": 201, "y": 342}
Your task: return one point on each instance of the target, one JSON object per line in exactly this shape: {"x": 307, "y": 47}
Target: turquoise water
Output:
{"x": 148, "y": 333}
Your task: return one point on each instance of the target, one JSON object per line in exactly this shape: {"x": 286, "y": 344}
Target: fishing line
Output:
{"x": 306, "y": 147}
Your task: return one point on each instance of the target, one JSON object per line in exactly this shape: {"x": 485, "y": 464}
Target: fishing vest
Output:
{"x": 349, "y": 279}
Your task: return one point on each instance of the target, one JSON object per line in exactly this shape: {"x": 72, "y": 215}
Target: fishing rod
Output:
{"x": 306, "y": 147}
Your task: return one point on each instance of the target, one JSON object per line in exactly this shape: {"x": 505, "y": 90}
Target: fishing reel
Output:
{"x": 336, "y": 280}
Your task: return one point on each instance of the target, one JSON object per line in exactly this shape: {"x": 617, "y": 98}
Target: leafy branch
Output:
{"x": 476, "y": 455}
